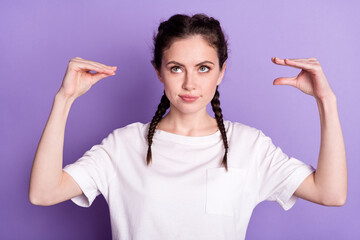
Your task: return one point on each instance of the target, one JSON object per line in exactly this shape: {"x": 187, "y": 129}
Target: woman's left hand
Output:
{"x": 311, "y": 80}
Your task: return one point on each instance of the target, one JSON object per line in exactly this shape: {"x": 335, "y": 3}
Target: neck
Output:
{"x": 191, "y": 124}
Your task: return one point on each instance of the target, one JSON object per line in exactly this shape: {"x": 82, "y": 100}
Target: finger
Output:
{"x": 88, "y": 67}
{"x": 280, "y": 60}
{"x": 285, "y": 81}
{"x": 96, "y": 63}
{"x": 303, "y": 60}
{"x": 89, "y": 61}
{"x": 293, "y": 63}
{"x": 312, "y": 59}
{"x": 299, "y": 64}
{"x": 97, "y": 66}
{"x": 98, "y": 76}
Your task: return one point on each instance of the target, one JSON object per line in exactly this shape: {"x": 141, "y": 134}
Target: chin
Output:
{"x": 189, "y": 108}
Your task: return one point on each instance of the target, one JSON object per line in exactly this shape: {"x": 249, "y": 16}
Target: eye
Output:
{"x": 175, "y": 67}
{"x": 203, "y": 67}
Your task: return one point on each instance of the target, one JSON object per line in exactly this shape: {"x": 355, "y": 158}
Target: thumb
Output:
{"x": 98, "y": 76}
{"x": 285, "y": 81}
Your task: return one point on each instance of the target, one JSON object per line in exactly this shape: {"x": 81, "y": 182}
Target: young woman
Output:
{"x": 187, "y": 175}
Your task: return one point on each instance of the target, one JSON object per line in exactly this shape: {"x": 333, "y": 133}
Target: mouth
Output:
{"x": 189, "y": 98}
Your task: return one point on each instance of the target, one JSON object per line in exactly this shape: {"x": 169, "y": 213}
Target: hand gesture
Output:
{"x": 311, "y": 80}
{"x": 78, "y": 79}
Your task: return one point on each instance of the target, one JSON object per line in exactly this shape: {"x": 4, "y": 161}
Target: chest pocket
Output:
{"x": 224, "y": 189}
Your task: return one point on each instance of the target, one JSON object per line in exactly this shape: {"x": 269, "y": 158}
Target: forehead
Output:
{"x": 191, "y": 49}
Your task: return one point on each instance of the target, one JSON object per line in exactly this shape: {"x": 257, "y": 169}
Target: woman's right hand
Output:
{"x": 78, "y": 79}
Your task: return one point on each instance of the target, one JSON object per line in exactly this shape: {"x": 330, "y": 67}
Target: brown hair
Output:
{"x": 181, "y": 26}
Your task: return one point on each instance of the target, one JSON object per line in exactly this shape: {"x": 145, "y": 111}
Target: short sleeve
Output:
{"x": 93, "y": 171}
{"x": 279, "y": 175}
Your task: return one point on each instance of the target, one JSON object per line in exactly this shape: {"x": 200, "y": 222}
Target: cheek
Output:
{"x": 172, "y": 85}
{"x": 210, "y": 92}
{"x": 172, "y": 89}
{"x": 172, "y": 81}
{"x": 210, "y": 82}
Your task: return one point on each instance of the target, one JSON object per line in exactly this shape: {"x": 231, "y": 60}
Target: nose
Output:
{"x": 189, "y": 81}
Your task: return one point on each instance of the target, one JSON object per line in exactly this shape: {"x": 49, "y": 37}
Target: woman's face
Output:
{"x": 190, "y": 67}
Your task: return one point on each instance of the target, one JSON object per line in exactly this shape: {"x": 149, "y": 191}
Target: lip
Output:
{"x": 189, "y": 98}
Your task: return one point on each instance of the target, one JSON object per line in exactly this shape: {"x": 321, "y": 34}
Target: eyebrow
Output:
{"x": 195, "y": 65}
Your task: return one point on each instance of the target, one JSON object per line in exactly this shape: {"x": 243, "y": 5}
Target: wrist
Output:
{"x": 327, "y": 99}
{"x": 63, "y": 97}
{"x": 327, "y": 105}
{"x": 63, "y": 103}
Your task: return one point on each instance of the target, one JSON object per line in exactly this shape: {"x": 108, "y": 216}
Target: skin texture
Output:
{"x": 328, "y": 185}
{"x": 190, "y": 119}
{"x": 50, "y": 185}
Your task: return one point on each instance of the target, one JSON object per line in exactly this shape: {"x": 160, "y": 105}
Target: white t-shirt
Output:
{"x": 185, "y": 193}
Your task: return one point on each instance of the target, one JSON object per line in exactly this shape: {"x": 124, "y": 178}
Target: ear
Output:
{"x": 221, "y": 75}
{"x": 157, "y": 72}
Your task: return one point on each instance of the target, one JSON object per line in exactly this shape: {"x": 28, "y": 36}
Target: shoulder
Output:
{"x": 237, "y": 129}
{"x": 129, "y": 131}
{"x": 248, "y": 135}
{"x": 131, "y": 127}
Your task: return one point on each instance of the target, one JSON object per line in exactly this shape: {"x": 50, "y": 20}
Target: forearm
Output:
{"x": 331, "y": 172}
{"x": 46, "y": 171}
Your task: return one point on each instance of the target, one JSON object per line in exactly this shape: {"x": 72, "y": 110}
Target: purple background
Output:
{"x": 38, "y": 38}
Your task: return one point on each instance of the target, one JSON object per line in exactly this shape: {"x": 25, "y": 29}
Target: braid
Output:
{"x": 215, "y": 103}
{"x": 163, "y": 106}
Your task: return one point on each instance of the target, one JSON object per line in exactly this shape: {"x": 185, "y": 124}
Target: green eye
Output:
{"x": 175, "y": 67}
{"x": 204, "y": 68}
